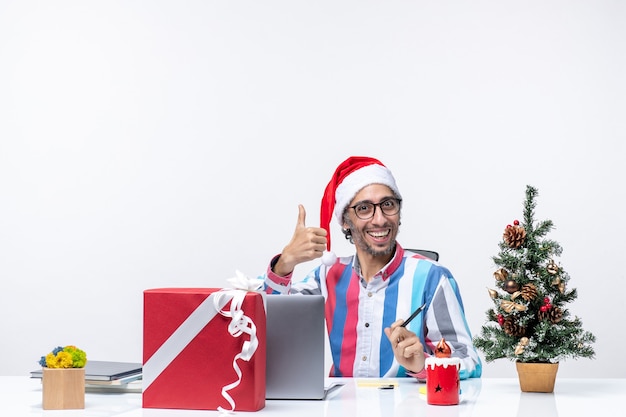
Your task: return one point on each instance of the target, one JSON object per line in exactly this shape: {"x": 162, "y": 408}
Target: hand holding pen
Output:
{"x": 407, "y": 347}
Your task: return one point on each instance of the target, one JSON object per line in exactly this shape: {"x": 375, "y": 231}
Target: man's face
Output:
{"x": 376, "y": 235}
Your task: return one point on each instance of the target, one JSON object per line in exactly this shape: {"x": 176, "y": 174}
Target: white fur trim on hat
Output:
{"x": 353, "y": 183}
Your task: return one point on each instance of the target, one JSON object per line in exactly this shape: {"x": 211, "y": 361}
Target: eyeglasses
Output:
{"x": 366, "y": 209}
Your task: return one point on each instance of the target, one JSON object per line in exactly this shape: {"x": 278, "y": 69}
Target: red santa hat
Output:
{"x": 349, "y": 178}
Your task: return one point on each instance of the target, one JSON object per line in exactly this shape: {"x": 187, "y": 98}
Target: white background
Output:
{"x": 150, "y": 144}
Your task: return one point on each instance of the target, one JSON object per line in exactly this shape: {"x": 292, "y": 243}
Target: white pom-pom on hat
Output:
{"x": 329, "y": 258}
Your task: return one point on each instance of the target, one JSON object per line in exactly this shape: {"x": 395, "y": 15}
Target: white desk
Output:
{"x": 487, "y": 397}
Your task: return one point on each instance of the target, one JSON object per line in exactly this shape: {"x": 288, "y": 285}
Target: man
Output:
{"x": 366, "y": 294}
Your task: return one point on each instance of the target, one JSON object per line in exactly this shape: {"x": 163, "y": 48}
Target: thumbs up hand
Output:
{"x": 307, "y": 243}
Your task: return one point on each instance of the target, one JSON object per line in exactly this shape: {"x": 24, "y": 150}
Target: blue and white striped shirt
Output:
{"x": 357, "y": 312}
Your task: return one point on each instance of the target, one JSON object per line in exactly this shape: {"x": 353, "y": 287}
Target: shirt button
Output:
{"x": 369, "y": 294}
{"x": 364, "y": 358}
{"x": 367, "y": 325}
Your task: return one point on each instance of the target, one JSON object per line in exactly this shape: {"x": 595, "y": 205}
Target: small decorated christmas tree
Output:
{"x": 529, "y": 321}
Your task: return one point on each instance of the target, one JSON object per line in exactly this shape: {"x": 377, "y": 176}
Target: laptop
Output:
{"x": 295, "y": 347}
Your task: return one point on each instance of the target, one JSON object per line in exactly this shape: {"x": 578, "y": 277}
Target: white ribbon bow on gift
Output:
{"x": 242, "y": 282}
{"x": 239, "y": 324}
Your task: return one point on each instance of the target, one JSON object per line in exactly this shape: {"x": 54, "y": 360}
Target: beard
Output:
{"x": 358, "y": 237}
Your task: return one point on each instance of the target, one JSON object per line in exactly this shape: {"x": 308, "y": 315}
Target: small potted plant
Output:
{"x": 63, "y": 378}
{"x": 529, "y": 322}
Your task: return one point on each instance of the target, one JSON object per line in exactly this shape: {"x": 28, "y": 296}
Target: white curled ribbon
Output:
{"x": 239, "y": 324}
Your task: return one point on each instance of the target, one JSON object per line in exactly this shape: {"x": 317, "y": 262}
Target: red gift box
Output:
{"x": 190, "y": 359}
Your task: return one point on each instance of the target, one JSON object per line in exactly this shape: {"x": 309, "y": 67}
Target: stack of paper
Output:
{"x": 109, "y": 376}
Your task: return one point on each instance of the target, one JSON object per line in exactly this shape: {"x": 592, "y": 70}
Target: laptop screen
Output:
{"x": 295, "y": 347}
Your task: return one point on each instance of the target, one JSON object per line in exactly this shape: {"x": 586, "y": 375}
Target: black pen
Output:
{"x": 412, "y": 316}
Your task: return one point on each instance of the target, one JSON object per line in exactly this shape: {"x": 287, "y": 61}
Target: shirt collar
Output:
{"x": 386, "y": 270}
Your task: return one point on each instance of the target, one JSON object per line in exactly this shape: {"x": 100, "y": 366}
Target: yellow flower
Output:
{"x": 64, "y": 357}
{"x": 61, "y": 360}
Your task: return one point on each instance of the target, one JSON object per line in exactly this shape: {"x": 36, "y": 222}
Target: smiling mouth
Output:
{"x": 379, "y": 235}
